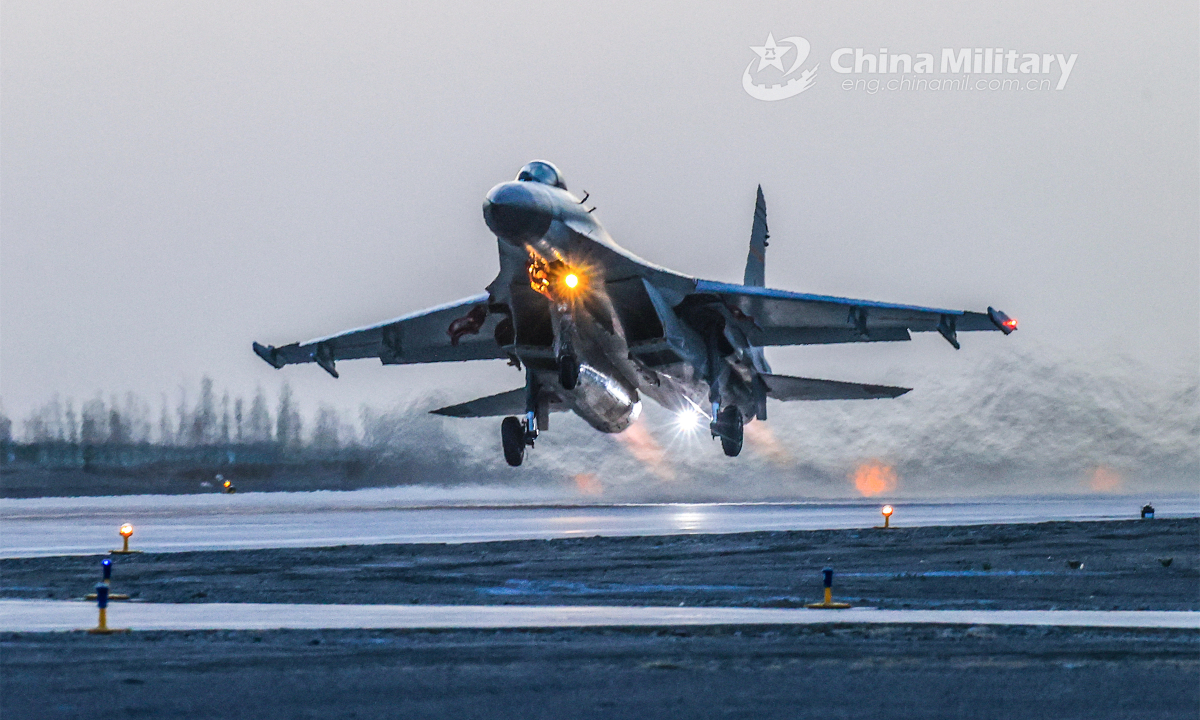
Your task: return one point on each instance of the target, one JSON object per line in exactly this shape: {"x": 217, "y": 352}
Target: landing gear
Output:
{"x": 513, "y": 436}
{"x": 728, "y": 426}
{"x": 568, "y": 371}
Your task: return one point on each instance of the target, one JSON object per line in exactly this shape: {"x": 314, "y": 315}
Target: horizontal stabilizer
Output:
{"x": 783, "y": 387}
{"x": 505, "y": 403}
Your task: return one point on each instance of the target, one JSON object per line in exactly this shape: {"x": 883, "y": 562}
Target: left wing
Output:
{"x": 785, "y": 387}
{"x": 778, "y": 317}
{"x": 461, "y": 330}
{"x": 505, "y": 403}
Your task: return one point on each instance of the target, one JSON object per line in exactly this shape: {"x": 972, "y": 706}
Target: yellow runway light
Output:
{"x": 102, "y": 627}
{"x": 887, "y": 518}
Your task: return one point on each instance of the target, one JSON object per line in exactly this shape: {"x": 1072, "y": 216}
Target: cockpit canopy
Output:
{"x": 543, "y": 172}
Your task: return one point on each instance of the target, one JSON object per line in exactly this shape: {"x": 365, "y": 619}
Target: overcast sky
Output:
{"x": 179, "y": 179}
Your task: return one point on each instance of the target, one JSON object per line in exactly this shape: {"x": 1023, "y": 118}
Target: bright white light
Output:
{"x": 688, "y": 419}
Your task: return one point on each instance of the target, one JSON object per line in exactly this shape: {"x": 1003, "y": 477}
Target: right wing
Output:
{"x": 461, "y": 330}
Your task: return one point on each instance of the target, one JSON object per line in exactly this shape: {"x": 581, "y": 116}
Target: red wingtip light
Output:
{"x": 1002, "y": 321}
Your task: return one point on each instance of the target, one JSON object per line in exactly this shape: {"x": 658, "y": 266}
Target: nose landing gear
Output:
{"x": 568, "y": 371}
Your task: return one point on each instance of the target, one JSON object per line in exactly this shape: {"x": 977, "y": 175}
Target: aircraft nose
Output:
{"x": 512, "y": 211}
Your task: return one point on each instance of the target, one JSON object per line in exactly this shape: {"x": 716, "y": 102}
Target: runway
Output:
{"x": 175, "y": 523}
{"x": 60, "y": 615}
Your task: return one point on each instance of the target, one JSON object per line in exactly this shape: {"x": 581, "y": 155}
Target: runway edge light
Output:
{"x": 102, "y": 627}
{"x": 887, "y": 518}
{"x": 126, "y": 532}
{"x": 828, "y": 603}
{"x": 106, "y": 566}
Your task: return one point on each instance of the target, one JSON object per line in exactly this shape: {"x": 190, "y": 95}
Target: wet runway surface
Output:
{"x": 60, "y": 615}
{"x": 173, "y": 523}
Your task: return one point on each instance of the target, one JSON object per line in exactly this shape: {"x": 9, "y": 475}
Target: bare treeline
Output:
{"x": 207, "y": 418}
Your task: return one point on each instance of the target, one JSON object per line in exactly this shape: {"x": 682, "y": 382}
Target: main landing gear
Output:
{"x": 516, "y": 434}
{"x": 728, "y": 427}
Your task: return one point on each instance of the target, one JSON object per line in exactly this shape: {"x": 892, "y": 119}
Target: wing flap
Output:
{"x": 785, "y": 387}
{"x": 778, "y": 317}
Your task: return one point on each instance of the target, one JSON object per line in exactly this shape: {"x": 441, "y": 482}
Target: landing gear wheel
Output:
{"x": 731, "y": 427}
{"x": 568, "y": 371}
{"x": 512, "y": 433}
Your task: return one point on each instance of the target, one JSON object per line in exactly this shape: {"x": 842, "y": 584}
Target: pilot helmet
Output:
{"x": 543, "y": 172}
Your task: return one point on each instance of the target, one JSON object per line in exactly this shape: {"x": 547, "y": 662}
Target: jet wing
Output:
{"x": 778, "y": 317}
{"x": 461, "y": 330}
{"x": 505, "y": 403}
{"x": 784, "y": 387}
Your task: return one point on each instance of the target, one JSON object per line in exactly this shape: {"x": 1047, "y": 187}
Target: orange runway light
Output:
{"x": 887, "y": 517}
{"x": 126, "y": 532}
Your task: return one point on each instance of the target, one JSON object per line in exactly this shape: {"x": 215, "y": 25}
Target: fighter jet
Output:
{"x": 596, "y": 328}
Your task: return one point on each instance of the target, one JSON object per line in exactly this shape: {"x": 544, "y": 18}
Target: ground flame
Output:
{"x": 874, "y": 478}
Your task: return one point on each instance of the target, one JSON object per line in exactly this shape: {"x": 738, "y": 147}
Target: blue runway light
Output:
{"x": 828, "y": 603}
{"x": 107, "y": 565}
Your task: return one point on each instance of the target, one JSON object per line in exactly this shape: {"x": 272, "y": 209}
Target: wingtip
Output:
{"x": 269, "y": 355}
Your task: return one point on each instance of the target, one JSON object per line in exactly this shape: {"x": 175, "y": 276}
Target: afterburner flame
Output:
{"x": 763, "y": 440}
{"x": 646, "y": 450}
{"x": 589, "y": 484}
{"x": 874, "y": 478}
{"x": 1105, "y": 479}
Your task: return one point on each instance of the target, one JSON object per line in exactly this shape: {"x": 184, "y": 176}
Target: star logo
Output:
{"x": 771, "y": 54}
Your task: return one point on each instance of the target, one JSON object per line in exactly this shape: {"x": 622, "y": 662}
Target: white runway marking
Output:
{"x": 176, "y": 523}
{"x": 60, "y": 615}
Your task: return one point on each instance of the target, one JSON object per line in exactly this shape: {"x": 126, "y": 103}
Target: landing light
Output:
{"x": 688, "y": 419}
{"x": 571, "y": 280}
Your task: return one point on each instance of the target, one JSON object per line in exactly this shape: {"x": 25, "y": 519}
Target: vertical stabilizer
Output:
{"x": 756, "y": 260}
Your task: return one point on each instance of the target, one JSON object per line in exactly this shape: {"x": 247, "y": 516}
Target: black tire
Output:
{"x": 512, "y": 434}
{"x": 731, "y": 435}
{"x": 568, "y": 372}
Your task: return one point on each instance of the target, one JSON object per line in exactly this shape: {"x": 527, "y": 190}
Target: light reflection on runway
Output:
{"x": 66, "y": 526}
{"x": 60, "y": 615}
